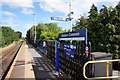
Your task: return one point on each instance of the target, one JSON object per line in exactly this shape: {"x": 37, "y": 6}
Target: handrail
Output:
{"x": 107, "y": 69}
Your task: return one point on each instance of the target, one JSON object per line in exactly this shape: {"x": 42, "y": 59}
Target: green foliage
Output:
{"x": 45, "y": 32}
{"x": 40, "y": 28}
{"x": 8, "y": 36}
{"x": 19, "y": 34}
{"x": 103, "y": 29}
{"x": 48, "y": 36}
{"x": 0, "y": 36}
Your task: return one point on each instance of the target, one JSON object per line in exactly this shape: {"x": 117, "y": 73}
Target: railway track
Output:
{"x": 7, "y": 59}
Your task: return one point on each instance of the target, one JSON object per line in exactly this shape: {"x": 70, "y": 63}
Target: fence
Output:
{"x": 72, "y": 66}
{"x": 51, "y": 50}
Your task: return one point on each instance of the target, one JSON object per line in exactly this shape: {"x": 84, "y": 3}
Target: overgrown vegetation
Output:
{"x": 8, "y": 36}
{"x": 103, "y": 29}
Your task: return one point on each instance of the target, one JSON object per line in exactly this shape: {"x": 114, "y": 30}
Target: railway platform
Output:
{"x": 32, "y": 64}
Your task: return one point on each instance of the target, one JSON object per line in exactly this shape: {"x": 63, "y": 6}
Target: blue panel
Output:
{"x": 68, "y": 19}
{"x": 69, "y": 50}
{"x": 58, "y": 18}
{"x": 76, "y": 34}
{"x": 57, "y": 43}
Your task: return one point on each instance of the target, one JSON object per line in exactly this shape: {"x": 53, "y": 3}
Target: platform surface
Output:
{"x": 32, "y": 64}
{"x": 42, "y": 67}
{"x": 22, "y": 66}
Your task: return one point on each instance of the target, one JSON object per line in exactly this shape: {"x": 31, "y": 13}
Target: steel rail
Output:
{"x": 8, "y": 60}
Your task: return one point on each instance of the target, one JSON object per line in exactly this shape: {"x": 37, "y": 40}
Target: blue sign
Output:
{"x": 69, "y": 50}
{"x": 75, "y": 35}
{"x": 58, "y": 18}
{"x": 68, "y": 19}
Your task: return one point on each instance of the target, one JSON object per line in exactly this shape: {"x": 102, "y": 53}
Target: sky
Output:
{"x": 18, "y": 14}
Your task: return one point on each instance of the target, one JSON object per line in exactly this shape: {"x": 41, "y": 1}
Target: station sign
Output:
{"x": 60, "y": 19}
{"x": 69, "y": 50}
{"x": 75, "y": 35}
{"x": 68, "y": 19}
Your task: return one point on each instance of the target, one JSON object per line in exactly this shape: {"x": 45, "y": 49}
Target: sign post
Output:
{"x": 57, "y": 45}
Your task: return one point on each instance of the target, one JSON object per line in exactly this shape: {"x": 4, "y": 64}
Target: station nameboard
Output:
{"x": 75, "y": 35}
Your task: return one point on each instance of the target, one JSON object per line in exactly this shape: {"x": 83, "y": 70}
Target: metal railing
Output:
{"x": 107, "y": 69}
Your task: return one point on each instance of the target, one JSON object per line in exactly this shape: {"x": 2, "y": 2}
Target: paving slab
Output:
{"x": 41, "y": 66}
{"x": 22, "y": 66}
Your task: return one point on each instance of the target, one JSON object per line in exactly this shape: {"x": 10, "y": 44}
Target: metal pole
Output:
{"x": 71, "y": 25}
{"x": 35, "y": 28}
{"x": 70, "y": 5}
{"x": 0, "y": 23}
{"x": 31, "y": 33}
{"x": 70, "y": 15}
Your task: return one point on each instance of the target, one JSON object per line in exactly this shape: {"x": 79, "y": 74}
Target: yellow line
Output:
{"x": 11, "y": 68}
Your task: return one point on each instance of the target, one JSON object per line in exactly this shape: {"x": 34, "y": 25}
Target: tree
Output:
{"x": 19, "y": 34}
{"x": 48, "y": 36}
{"x": 8, "y": 36}
{"x": 81, "y": 23}
{"x": 0, "y": 36}
{"x": 44, "y": 31}
{"x": 52, "y": 32}
{"x": 40, "y": 28}
{"x": 103, "y": 29}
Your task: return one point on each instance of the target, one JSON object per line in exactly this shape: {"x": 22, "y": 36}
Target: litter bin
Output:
{"x": 99, "y": 69}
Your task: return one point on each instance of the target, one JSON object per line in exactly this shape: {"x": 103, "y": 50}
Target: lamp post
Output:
{"x": 35, "y": 28}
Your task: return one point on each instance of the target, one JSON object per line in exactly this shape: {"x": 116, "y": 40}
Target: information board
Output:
{"x": 69, "y": 50}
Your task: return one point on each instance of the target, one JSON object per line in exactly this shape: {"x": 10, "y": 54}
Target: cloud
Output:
{"x": 10, "y": 22}
{"x": 27, "y": 26}
{"x": 54, "y": 5}
{"x": 18, "y": 3}
{"x": 17, "y": 25}
{"x": 79, "y": 7}
{"x": 107, "y": 0}
{"x": 27, "y": 11}
{"x": 24, "y": 4}
{"x": 8, "y": 13}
